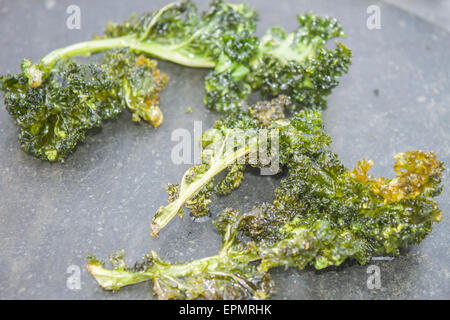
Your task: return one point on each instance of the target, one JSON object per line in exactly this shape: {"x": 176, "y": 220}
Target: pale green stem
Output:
{"x": 110, "y": 279}
{"x": 151, "y": 48}
{"x": 165, "y": 214}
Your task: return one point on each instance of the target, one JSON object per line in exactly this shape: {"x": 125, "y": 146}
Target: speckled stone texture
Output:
{"x": 103, "y": 197}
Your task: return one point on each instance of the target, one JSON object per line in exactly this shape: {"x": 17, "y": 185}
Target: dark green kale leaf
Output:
{"x": 179, "y": 33}
{"x": 225, "y": 88}
{"x": 231, "y": 274}
{"x": 349, "y": 218}
{"x": 295, "y": 64}
{"x": 324, "y": 214}
{"x": 54, "y": 108}
{"x": 176, "y": 33}
{"x": 308, "y": 84}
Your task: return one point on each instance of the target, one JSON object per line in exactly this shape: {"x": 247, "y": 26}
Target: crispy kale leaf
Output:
{"x": 346, "y": 218}
{"x": 295, "y": 64}
{"x": 176, "y": 33}
{"x": 54, "y": 107}
{"x": 322, "y": 215}
{"x": 231, "y": 144}
{"x": 240, "y": 139}
{"x": 348, "y": 213}
{"x": 228, "y": 275}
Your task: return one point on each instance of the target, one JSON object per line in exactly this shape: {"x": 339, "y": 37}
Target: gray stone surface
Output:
{"x": 103, "y": 197}
{"x": 434, "y": 11}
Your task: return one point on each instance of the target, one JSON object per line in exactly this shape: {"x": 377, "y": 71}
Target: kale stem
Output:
{"x": 154, "y": 49}
{"x": 165, "y": 214}
{"x": 84, "y": 49}
{"x": 110, "y": 279}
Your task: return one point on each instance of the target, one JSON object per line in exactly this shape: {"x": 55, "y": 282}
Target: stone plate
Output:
{"x": 103, "y": 197}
